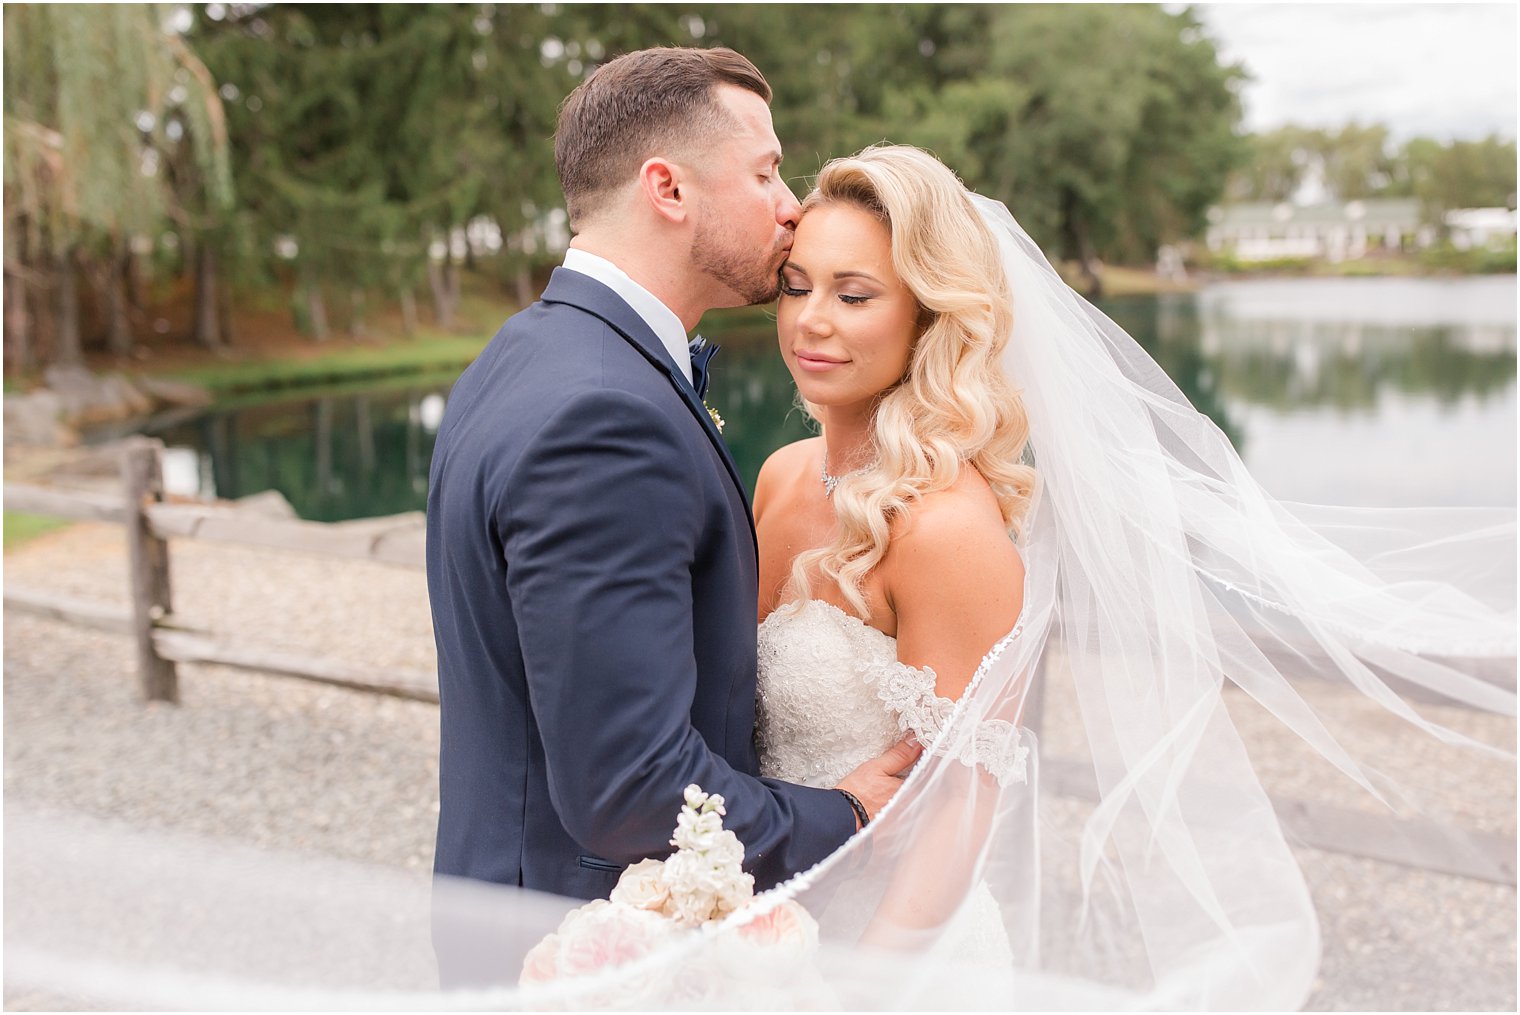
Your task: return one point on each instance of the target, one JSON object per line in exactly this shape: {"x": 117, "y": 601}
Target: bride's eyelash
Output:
{"x": 853, "y": 301}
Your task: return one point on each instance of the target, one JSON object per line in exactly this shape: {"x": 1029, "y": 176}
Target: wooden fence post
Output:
{"x": 149, "y": 560}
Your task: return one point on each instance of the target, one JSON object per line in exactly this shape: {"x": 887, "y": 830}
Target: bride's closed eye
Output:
{"x": 787, "y": 289}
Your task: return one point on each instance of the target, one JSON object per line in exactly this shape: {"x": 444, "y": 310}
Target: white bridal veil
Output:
{"x": 1095, "y": 782}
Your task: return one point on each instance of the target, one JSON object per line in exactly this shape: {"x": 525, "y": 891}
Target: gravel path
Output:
{"x": 272, "y": 761}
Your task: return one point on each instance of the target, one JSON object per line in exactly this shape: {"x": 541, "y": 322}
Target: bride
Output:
{"x": 918, "y": 574}
{"x": 886, "y": 569}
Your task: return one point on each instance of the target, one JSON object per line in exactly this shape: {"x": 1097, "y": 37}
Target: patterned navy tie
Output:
{"x": 701, "y": 352}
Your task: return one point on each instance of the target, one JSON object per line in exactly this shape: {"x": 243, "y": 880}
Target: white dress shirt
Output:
{"x": 660, "y": 318}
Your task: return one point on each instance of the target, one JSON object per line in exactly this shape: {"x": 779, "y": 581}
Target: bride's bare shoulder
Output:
{"x": 960, "y": 528}
{"x": 785, "y": 469}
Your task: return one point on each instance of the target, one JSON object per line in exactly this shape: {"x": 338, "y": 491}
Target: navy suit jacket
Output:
{"x": 592, "y": 571}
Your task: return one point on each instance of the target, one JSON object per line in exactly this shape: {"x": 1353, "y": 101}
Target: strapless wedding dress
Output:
{"x": 832, "y": 694}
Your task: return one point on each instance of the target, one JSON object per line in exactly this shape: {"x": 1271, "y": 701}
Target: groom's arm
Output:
{"x": 599, "y": 529}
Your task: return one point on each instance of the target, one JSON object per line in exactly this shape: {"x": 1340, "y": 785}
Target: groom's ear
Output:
{"x": 660, "y": 183}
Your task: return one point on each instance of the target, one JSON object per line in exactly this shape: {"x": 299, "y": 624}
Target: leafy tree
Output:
{"x": 364, "y": 139}
{"x": 507, "y": 131}
{"x": 1457, "y": 174}
{"x": 1107, "y": 129}
{"x": 99, "y": 100}
{"x": 1358, "y": 161}
{"x": 371, "y": 135}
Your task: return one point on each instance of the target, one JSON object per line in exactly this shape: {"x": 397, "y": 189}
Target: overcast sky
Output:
{"x": 1432, "y": 70}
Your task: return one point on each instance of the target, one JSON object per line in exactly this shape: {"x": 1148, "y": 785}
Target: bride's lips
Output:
{"x": 814, "y": 363}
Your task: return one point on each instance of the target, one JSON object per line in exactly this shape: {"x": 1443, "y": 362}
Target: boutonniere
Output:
{"x": 716, "y": 418}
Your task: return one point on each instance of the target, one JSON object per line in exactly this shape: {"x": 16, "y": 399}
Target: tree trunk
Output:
{"x": 408, "y": 312}
{"x": 106, "y": 276}
{"x": 524, "y": 283}
{"x": 131, "y": 277}
{"x": 121, "y": 320}
{"x": 356, "y": 314}
{"x": 443, "y": 306}
{"x": 316, "y": 312}
{"x": 1081, "y": 245}
{"x": 67, "y": 349}
{"x": 208, "y": 321}
{"x": 224, "y": 315}
{"x": 469, "y": 249}
{"x": 18, "y": 322}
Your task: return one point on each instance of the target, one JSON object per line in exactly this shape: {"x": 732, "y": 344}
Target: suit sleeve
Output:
{"x": 600, "y": 529}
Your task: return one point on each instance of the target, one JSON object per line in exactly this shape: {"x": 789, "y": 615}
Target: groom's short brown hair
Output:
{"x": 641, "y": 104}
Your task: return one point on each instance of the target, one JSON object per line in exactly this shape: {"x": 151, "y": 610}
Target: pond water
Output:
{"x": 1340, "y": 391}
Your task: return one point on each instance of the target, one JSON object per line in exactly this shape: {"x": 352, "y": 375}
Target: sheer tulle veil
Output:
{"x": 1096, "y": 777}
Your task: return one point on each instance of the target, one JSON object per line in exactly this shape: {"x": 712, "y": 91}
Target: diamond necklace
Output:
{"x": 831, "y": 481}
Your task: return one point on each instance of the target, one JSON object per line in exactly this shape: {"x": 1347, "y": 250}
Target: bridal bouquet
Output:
{"x": 657, "y": 901}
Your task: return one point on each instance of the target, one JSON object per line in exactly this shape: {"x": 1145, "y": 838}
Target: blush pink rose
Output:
{"x": 787, "y": 924}
{"x": 541, "y": 964}
{"x": 608, "y": 935}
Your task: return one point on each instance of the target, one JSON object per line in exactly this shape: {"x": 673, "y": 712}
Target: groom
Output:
{"x": 591, "y": 556}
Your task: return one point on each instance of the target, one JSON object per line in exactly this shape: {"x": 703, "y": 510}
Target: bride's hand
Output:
{"x": 874, "y": 782}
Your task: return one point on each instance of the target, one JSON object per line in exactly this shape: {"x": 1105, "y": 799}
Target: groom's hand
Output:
{"x": 875, "y": 781}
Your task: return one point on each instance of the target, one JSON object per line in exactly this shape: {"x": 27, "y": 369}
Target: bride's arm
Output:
{"x": 955, "y": 582}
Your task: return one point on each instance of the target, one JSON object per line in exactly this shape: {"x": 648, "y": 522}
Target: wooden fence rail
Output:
{"x": 150, "y": 522}
{"x": 75, "y": 505}
{"x": 163, "y": 642}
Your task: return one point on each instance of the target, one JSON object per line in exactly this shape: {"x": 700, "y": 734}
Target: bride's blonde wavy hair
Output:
{"x": 953, "y": 406}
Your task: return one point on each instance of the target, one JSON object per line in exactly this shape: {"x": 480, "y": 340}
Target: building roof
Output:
{"x": 1372, "y": 212}
{"x": 1482, "y": 218}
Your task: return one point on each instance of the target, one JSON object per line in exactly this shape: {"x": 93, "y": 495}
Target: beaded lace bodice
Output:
{"x": 832, "y": 694}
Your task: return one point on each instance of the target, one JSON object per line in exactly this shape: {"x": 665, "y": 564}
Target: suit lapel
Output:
{"x": 577, "y": 290}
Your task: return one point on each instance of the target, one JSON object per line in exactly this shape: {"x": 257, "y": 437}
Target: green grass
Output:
{"x": 423, "y": 354}
{"x": 21, "y": 527}
{"x": 1440, "y": 260}
{"x": 363, "y": 384}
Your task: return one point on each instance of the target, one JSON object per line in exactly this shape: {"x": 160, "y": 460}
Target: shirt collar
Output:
{"x": 660, "y": 318}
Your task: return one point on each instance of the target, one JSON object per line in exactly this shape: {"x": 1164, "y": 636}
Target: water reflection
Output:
{"x": 1358, "y": 391}
{"x": 345, "y": 454}
{"x": 1351, "y": 391}
{"x": 753, "y": 390}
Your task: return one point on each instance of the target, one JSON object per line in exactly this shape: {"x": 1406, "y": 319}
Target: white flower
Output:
{"x": 701, "y": 882}
{"x": 726, "y": 848}
{"x": 736, "y": 893}
{"x": 642, "y": 886}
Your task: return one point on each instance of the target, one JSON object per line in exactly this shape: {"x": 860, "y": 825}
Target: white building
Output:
{"x": 1333, "y": 230}
{"x": 1481, "y": 227}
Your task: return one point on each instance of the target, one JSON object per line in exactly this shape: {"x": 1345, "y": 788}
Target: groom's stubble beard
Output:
{"x": 755, "y": 276}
